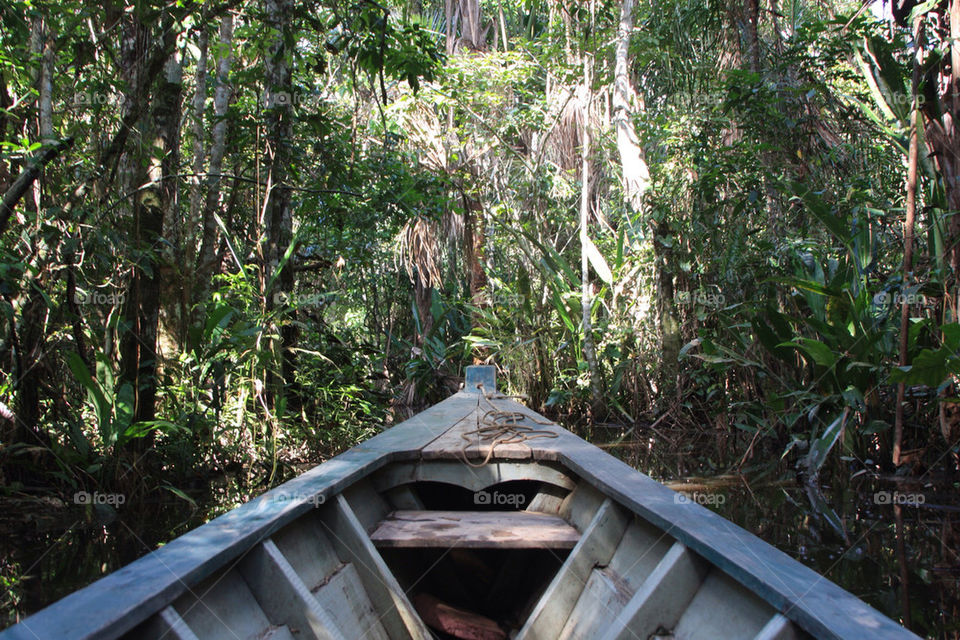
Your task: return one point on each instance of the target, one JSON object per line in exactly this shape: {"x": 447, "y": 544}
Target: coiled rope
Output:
{"x": 497, "y": 426}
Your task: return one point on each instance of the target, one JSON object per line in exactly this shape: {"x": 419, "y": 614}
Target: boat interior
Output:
{"x": 444, "y": 549}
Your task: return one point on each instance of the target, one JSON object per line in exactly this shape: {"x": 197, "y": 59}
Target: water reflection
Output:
{"x": 891, "y": 541}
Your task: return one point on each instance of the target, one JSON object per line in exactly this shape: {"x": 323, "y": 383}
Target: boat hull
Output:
{"x": 545, "y": 538}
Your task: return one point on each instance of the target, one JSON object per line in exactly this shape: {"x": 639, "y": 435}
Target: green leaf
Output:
{"x": 821, "y": 447}
{"x": 95, "y": 394}
{"x": 598, "y": 262}
{"x": 816, "y": 350}
{"x": 929, "y": 368}
{"x": 123, "y": 410}
{"x": 180, "y": 494}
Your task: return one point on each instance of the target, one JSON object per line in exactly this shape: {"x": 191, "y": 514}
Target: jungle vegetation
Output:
{"x": 240, "y": 236}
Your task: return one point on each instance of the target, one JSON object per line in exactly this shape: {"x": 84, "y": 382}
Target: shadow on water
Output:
{"x": 53, "y": 545}
{"x": 894, "y": 542}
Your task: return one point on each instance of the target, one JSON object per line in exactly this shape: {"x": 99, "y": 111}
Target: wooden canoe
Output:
{"x": 399, "y": 537}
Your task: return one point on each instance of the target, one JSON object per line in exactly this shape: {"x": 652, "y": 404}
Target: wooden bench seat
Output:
{"x": 474, "y": 529}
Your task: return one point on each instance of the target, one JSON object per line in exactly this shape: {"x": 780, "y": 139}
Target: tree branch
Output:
{"x": 29, "y": 175}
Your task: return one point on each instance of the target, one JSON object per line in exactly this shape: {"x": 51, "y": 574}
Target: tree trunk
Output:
{"x": 586, "y": 297}
{"x": 46, "y": 84}
{"x": 278, "y": 219}
{"x": 191, "y": 237}
{"x": 636, "y": 182}
{"x": 157, "y": 151}
{"x": 170, "y": 271}
{"x": 5, "y": 119}
{"x": 207, "y": 262}
{"x": 636, "y": 174}
{"x": 912, "y": 160}
{"x": 473, "y": 241}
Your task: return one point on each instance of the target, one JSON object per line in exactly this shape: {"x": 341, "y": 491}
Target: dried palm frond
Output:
{"x": 418, "y": 250}
{"x": 426, "y": 134}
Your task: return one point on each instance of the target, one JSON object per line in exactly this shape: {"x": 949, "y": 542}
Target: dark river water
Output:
{"x": 894, "y": 542}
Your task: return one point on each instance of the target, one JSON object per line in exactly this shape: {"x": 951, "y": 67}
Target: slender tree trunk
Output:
{"x": 5, "y": 120}
{"x": 586, "y": 293}
{"x": 46, "y": 85}
{"x": 30, "y": 336}
{"x": 170, "y": 272}
{"x": 207, "y": 262}
{"x": 503, "y": 25}
{"x": 278, "y": 219}
{"x": 191, "y": 237}
{"x": 636, "y": 173}
{"x": 751, "y": 26}
{"x": 912, "y": 160}
{"x": 449, "y": 27}
{"x": 473, "y": 241}
{"x": 636, "y": 182}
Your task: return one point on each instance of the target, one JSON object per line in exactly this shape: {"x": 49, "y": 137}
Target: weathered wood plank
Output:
{"x": 459, "y": 442}
{"x": 475, "y": 529}
{"x": 464, "y": 441}
{"x": 308, "y": 550}
{"x": 166, "y": 625}
{"x": 344, "y": 597}
{"x": 353, "y": 545}
{"x": 581, "y": 505}
{"x": 602, "y": 599}
{"x": 596, "y": 547}
{"x": 548, "y": 499}
{"x": 284, "y": 597}
{"x": 223, "y": 607}
{"x": 403, "y": 497}
{"x": 610, "y": 588}
{"x": 723, "y": 608}
{"x": 778, "y": 628}
{"x": 480, "y": 379}
{"x": 662, "y": 598}
{"x": 366, "y": 503}
{"x": 473, "y": 479}
{"x": 118, "y": 602}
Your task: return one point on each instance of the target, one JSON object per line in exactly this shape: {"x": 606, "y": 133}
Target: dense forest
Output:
{"x": 240, "y": 237}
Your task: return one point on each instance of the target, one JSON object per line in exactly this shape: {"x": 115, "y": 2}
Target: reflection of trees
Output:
{"x": 903, "y": 560}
